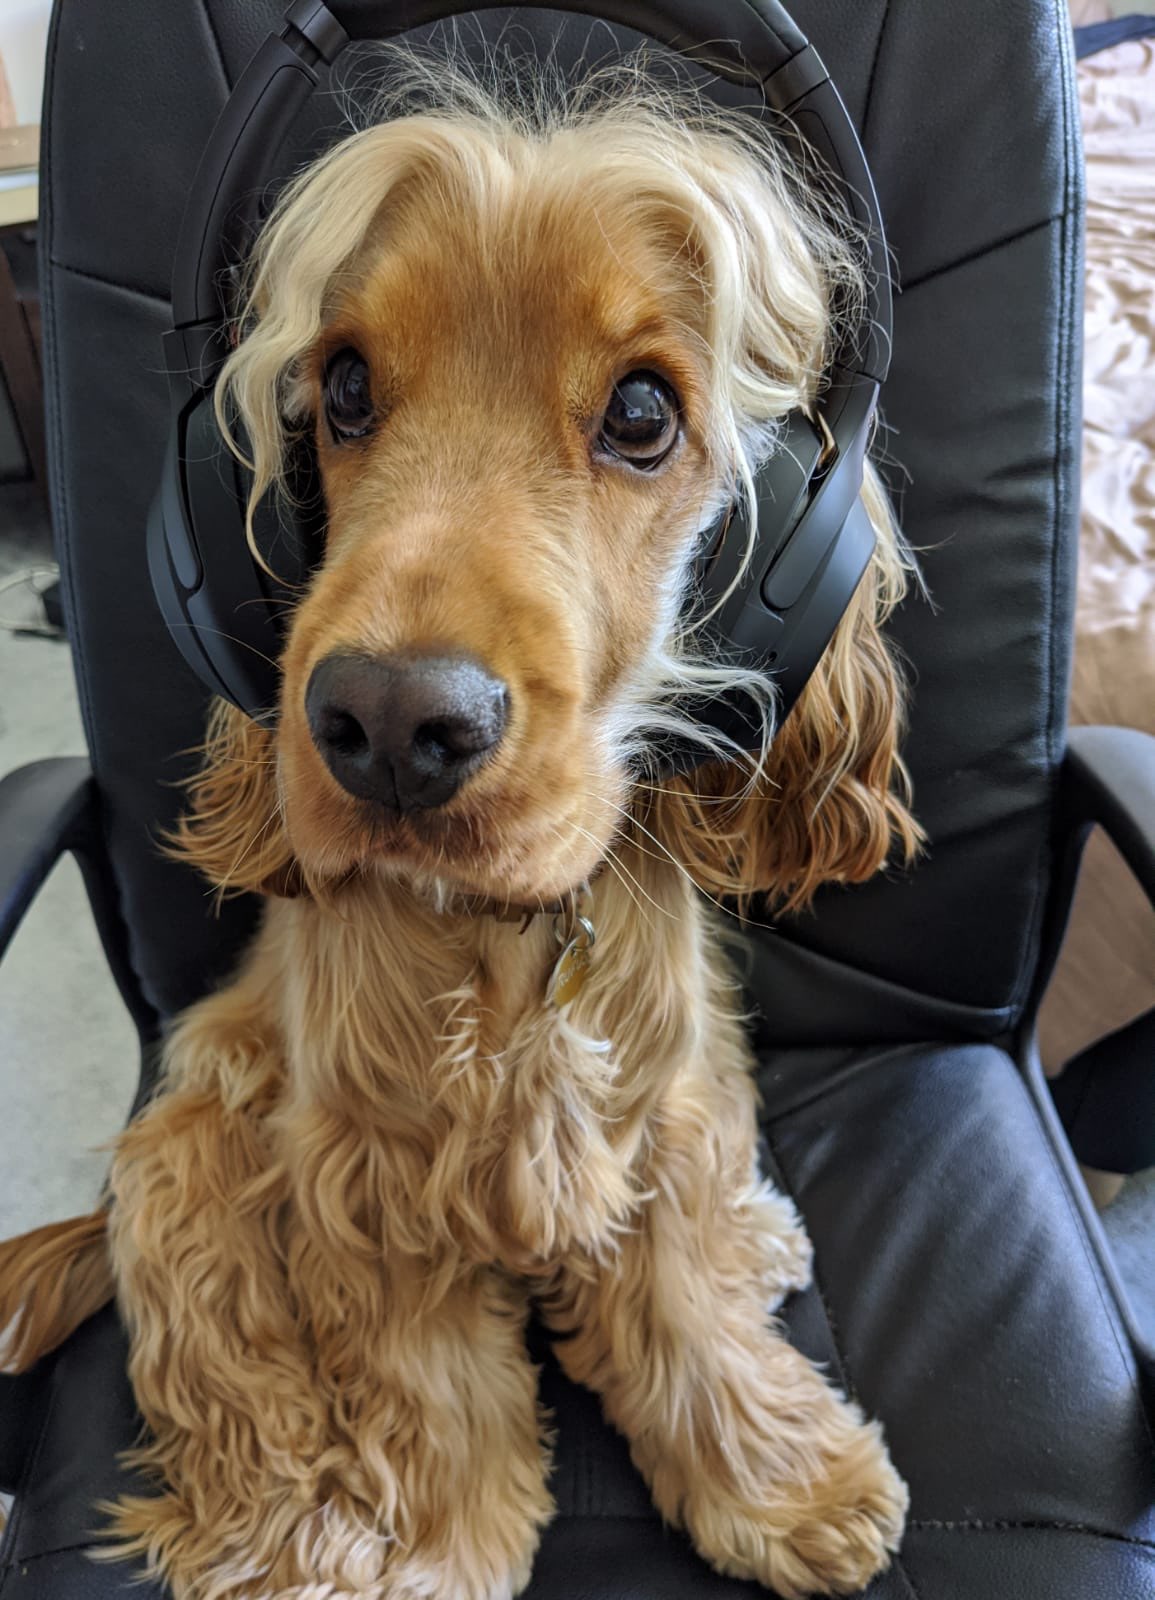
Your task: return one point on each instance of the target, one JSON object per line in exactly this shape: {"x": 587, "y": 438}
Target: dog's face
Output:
{"x": 533, "y": 370}
{"x": 511, "y": 415}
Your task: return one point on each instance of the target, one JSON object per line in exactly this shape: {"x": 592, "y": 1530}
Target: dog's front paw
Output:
{"x": 787, "y": 1256}
{"x": 826, "y": 1535}
{"x": 490, "y": 1560}
{"x": 423, "y": 1580}
{"x": 781, "y": 1255}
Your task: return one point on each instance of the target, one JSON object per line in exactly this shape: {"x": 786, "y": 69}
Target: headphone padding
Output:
{"x": 223, "y": 617}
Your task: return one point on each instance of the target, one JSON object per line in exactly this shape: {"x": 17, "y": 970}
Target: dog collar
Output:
{"x": 572, "y": 928}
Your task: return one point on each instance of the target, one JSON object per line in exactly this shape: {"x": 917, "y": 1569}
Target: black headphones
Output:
{"x": 814, "y": 538}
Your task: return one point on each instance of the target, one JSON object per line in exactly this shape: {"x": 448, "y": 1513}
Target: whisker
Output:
{"x": 220, "y": 632}
{"x": 622, "y": 873}
{"x": 693, "y": 794}
{"x": 219, "y": 888}
{"x": 667, "y": 855}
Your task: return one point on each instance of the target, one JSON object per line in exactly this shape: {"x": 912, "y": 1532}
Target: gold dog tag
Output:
{"x": 572, "y": 967}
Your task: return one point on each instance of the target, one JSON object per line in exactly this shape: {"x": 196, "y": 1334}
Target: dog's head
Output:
{"x": 536, "y": 364}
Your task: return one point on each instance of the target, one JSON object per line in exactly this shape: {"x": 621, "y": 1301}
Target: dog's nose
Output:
{"x": 404, "y": 731}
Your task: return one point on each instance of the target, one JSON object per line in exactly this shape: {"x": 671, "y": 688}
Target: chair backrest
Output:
{"x": 968, "y": 117}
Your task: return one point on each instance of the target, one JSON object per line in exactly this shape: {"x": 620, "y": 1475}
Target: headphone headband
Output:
{"x": 745, "y": 42}
{"x": 735, "y": 43}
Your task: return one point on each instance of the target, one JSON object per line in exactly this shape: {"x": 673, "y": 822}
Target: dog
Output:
{"x": 486, "y": 1053}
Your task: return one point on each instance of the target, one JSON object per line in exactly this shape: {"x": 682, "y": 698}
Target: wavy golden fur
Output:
{"x": 382, "y": 1141}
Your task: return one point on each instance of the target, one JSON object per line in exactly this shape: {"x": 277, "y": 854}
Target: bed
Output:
{"x": 1107, "y": 971}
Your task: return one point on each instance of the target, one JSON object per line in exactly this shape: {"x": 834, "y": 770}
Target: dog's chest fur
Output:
{"x": 438, "y": 1101}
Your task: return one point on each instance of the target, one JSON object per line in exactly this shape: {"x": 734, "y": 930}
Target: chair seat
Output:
{"x": 959, "y": 1296}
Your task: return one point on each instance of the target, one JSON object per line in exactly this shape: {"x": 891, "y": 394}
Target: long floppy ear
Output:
{"x": 832, "y": 804}
{"x": 234, "y": 830}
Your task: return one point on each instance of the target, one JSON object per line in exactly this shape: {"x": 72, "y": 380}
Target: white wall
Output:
{"x": 23, "y": 35}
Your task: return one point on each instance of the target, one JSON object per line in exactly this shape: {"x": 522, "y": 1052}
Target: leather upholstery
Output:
{"x": 962, "y": 1289}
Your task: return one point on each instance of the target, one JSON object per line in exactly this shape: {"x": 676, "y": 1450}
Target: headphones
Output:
{"x": 814, "y": 539}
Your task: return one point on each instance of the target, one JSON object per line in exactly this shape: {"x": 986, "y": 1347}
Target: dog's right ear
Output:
{"x": 234, "y": 831}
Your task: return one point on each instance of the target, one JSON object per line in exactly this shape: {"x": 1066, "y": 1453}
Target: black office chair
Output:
{"x": 964, "y": 1291}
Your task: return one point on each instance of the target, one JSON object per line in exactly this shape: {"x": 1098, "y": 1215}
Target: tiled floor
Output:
{"x": 67, "y": 1049}
{"x": 1093, "y": 10}
{"x": 1128, "y": 1223}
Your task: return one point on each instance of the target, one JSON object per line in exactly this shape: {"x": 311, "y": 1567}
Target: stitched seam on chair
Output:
{"x": 1001, "y": 1525}
{"x": 60, "y": 519}
{"x": 108, "y": 283}
{"x": 58, "y": 493}
{"x": 215, "y": 37}
{"x": 816, "y": 1284}
{"x": 1107, "y": 1302}
{"x": 564, "y": 1516}
{"x": 980, "y": 254}
{"x": 868, "y": 105}
{"x": 1074, "y": 301}
{"x": 899, "y": 1566}
{"x": 904, "y": 1048}
{"x": 61, "y": 499}
{"x": 1063, "y": 409}
{"x": 12, "y": 1532}
{"x": 843, "y": 1364}
{"x": 914, "y": 1526}
{"x": 46, "y": 1555}
{"x": 1072, "y": 396}
{"x": 1060, "y": 445}
{"x": 965, "y": 1028}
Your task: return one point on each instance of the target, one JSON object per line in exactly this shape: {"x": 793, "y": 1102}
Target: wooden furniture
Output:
{"x": 19, "y": 291}
{"x": 19, "y": 189}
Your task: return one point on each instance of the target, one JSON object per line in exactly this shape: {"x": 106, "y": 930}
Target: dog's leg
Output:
{"x": 772, "y": 1473}
{"x": 463, "y": 1465}
{"x": 325, "y": 1428}
{"x": 423, "y": 1365}
{"x": 237, "y": 1429}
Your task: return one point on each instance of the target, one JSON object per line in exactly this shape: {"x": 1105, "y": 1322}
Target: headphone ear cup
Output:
{"x": 175, "y": 568}
{"x": 225, "y": 613}
{"x": 288, "y": 524}
{"x": 728, "y": 583}
{"x": 777, "y": 611}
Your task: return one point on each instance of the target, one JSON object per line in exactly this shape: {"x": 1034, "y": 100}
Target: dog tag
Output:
{"x": 573, "y": 965}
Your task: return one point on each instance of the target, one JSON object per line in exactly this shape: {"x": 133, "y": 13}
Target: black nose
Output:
{"x": 404, "y": 731}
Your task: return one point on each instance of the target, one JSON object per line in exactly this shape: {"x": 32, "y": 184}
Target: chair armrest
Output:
{"x": 1105, "y": 1095}
{"x": 1109, "y": 778}
{"x": 46, "y": 809}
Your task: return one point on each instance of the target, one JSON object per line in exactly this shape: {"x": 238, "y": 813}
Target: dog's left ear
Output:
{"x": 234, "y": 830}
{"x": 833, "y": 802}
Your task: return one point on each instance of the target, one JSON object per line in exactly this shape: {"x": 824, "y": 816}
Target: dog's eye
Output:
{"x": 641, "y": 421}
{"x": 348, "y": 397}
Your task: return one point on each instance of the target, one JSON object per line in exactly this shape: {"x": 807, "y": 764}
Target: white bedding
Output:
{"x": 1107, "y": 972}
